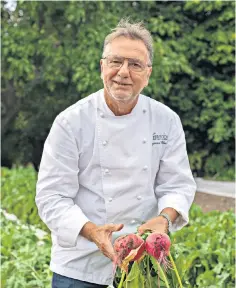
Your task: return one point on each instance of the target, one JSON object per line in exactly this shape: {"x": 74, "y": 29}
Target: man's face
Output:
{"x": 126, "y": 82}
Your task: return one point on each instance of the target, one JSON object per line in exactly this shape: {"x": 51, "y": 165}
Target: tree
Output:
{"x": 51, "y": 53}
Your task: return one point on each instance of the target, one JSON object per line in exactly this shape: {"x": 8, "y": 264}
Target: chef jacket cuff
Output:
{"x": 180, "y": 204}
{"x": 70, "y": 227}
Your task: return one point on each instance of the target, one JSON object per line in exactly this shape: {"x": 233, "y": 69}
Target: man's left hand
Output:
{"x": 158, "y": 224}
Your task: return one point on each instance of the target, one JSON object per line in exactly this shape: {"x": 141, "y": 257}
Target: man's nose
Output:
{"x": 124, "y": 69}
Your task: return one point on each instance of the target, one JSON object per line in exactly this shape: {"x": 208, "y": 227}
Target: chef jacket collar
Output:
{"x": 140, "y": 107}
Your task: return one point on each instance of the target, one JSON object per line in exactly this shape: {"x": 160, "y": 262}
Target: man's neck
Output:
{"x": 120, "y": 108}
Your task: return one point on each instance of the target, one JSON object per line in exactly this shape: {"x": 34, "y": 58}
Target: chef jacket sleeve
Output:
{"x": 175, "y": 186}
{"x": 58, "y": 184}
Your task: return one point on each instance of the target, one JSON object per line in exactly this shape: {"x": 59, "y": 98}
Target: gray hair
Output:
{"x": 132, "y": 31}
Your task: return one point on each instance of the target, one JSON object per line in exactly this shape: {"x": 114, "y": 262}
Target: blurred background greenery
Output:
{"x": 50, "y": 60}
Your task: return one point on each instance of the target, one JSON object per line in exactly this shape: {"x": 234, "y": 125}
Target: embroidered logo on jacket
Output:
{"x": 159, "y": 139}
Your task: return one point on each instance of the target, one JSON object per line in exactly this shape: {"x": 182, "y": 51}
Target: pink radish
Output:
{"x": 128, "y": 248}
{"x": 158, "y": 246}
{"x": 125, "y": 244}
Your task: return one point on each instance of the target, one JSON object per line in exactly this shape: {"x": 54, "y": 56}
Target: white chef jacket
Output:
{"x": 104, "y": 168}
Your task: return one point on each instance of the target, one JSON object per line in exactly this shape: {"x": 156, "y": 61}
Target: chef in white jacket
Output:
{"x": 112, "y": 161}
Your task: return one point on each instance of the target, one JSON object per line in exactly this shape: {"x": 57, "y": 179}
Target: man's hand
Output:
{"x": 101, "y": 236}
{"x": 158, "y": 224}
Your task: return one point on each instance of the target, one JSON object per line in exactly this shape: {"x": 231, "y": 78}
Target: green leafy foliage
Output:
{"x": 18, "y": 194}
{"x": 25, "y": 256}
{"x": 51, "y": 53}
{"x": 205, "y": 250}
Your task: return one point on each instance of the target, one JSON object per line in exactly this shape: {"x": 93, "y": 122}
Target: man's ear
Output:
{"x": 148, "y": 75}
{"x": 101, "y": 66}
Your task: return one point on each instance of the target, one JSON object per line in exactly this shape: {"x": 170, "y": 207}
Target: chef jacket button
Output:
{"x": 132, "y": 222}
{"x": 144, "y": 110}
{"x": 104, "y": 143}
{"x": 144, "y": 140}
{"x": 106, "y": 171}
{"x": 145, "y": 167}
{"x": 101, "y": 115}
{"x": 139, "y": 197}
{"x": 110, "y": 199}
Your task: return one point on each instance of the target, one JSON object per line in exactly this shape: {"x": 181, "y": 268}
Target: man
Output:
{"x": 112, "y": 161}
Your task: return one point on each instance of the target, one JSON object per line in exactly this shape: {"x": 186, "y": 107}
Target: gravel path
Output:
{"x": 210, "y": 202}
{"x": 215, "y": 195}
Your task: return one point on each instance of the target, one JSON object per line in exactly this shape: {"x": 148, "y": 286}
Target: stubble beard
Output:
{"x": 120, "y": 99}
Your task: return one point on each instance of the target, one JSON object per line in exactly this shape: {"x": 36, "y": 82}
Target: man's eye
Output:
{"x": 115, "y": 62}
{"x": 136, "y": 65}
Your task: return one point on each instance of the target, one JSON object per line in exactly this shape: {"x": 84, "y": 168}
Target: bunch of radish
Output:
{"x": 134, "y": 248}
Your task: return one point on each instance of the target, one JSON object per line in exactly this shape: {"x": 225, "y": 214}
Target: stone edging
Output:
{"x": 218, "y": 188}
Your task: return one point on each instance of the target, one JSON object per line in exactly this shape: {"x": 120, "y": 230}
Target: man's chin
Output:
{"x": 122, "y": 97}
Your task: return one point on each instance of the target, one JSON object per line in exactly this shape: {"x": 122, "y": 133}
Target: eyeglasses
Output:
{"x": 116, "y": 62}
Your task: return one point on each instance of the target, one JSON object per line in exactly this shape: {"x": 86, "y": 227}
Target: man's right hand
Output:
{"x": 101, "y": 236}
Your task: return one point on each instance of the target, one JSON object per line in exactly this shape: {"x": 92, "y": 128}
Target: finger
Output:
{"x": 109, "y": 255}
{"x": 114, "y": 227}
{"x": 108, "y": 251}
{"x": 142, "y": 229}
{"x": 113, "y": 257}
{"x": 119, "y": 227}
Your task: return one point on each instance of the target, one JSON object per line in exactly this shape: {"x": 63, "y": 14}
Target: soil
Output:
{"x": 210, "y": 202}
